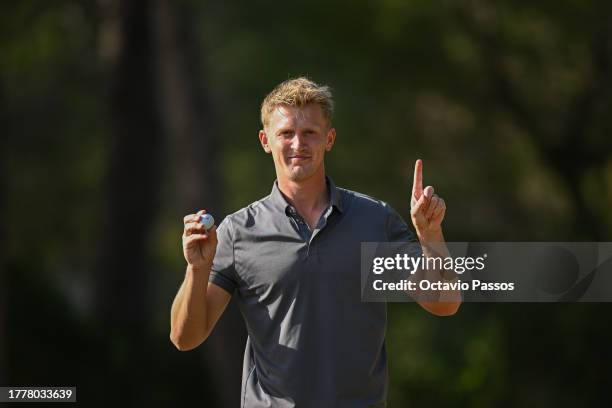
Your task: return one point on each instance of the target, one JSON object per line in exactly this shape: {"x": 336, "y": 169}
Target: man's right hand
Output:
{"x": 199, "y": 245}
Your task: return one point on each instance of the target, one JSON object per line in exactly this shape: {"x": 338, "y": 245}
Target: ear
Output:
{"x": 331, "y": 138}
{"x": 263, "y": 139}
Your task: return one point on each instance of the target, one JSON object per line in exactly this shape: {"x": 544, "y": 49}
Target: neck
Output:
{"x": 306, "y": 195}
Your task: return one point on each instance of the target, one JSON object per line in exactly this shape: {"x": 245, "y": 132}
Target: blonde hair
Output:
{"x": 298, "y": 92}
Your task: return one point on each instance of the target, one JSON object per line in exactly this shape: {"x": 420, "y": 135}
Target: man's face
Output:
{"x": 297, "y": 138}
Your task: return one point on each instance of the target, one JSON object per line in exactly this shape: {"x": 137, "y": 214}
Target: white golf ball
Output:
{"x": 207, "y": 220}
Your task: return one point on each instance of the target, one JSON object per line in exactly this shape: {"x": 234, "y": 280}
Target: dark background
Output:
{"x": 117, "y": 118}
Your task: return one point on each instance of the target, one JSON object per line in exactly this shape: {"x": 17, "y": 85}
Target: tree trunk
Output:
{"x": 122, "y": 272}
{"x": 188, "y": 113}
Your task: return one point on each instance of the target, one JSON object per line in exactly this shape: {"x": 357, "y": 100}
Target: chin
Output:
{"x": 300, "y": 174}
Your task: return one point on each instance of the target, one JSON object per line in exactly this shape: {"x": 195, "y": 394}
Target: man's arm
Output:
{"x": 198, "y": 304}
{"x": 427, "y": 211}
{"x": 443, "y": 302}
{"x": 197, "y": 307}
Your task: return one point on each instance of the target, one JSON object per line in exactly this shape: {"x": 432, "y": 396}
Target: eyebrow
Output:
{"x": 290, "y": 129}
{"x": 283, "y": 130}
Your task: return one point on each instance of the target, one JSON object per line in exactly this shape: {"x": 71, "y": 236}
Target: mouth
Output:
{"x": 299, "y": 157}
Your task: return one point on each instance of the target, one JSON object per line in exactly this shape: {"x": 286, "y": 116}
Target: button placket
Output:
{"x": 299, "y": 223}
{"x": 322, "y": 223}
{"x": 304, "y": 230}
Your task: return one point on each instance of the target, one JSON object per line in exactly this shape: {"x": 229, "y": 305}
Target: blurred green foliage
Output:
{"x": 507, "y": 103}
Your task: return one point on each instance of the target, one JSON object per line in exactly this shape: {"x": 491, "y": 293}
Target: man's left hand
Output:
{"x": 427, "y": 209}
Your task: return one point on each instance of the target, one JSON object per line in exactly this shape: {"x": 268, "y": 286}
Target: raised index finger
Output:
{"x": 417, "y": 184}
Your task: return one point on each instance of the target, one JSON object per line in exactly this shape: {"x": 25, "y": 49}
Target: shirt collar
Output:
{"x": 280, "y": 203}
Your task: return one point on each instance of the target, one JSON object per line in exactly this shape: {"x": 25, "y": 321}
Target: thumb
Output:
{"x": 212, "y": 234}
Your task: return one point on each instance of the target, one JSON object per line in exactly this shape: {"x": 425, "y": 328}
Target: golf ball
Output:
{"x": 207, "y": 221}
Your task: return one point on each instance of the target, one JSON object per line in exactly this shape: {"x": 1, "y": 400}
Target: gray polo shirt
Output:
{"x": 311, "y": 341}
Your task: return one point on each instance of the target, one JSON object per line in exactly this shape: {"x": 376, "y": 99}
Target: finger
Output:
{"x": 189, "y": 218}
{"x": 418, "y": 207}
{"x": 433, "y": 205}
{"x": 193, "y": 217}
{"x": 211, "y": 235}
{"x": 194, "y": 228}
{"x": 438, "y": 214}
{"x": 417, "y": 183}
{"x": 195, "y": 237}
{"x": 428, "y": 193}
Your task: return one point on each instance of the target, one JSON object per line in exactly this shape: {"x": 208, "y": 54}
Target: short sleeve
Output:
{"x": 399, "y": 231}
{"x": 400, "y": 240}
{"x": 223, "y": 272}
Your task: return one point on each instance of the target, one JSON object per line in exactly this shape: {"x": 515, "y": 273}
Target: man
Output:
{"x": 293, "y": 261}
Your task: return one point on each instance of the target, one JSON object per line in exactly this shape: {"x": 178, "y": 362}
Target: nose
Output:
{"x": 297, "y": 141}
